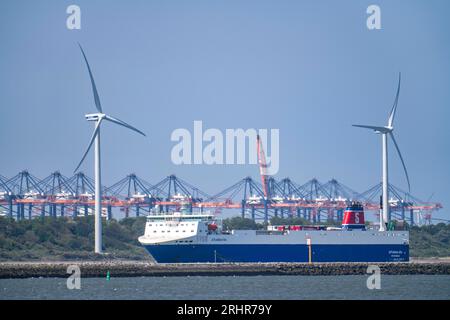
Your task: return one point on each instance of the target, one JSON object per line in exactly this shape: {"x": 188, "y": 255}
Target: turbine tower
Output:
{"x": 385, "y": 131}
{"x": 98, "y": 118}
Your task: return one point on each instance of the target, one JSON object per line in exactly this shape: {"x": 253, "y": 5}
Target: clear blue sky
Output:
{"x": 309, "y": 68}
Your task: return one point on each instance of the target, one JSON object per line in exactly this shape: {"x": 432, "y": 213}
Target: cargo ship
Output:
{"x": 183, "y": 237}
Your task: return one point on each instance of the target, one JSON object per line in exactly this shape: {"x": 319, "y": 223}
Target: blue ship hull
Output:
{"x": 277, "y": 253}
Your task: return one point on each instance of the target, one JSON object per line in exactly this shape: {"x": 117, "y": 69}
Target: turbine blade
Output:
{"x": 394, "y": 107}
{"x": 375, "y": 128}
{"x": 97, "y": 127}
{"x": 123, "y": 123}
{"x": 94, "y": 87}
{"x": 401, "y": 158}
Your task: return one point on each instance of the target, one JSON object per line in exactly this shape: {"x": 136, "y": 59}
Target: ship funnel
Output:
{"x": 354, "y": 217}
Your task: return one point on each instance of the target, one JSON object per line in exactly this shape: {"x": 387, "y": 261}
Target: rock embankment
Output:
{"x": 148, "y": 269}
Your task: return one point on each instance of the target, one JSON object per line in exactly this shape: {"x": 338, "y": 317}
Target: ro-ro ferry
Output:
{"x": 181, "y": 237}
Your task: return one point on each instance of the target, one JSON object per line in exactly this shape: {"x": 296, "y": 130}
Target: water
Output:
{"x": 242, "y": 287}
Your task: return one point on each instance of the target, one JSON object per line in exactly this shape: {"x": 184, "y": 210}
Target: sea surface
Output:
{"x": 231, "y": 287}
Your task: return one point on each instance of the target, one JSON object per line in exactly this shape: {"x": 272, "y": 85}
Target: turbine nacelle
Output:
{"x": 384, "y": 130}
{"x": 387, "y": 130}
{"x": 95, "y": 116}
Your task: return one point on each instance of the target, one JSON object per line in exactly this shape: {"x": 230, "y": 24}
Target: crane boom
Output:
{"x": 262, "y": 165}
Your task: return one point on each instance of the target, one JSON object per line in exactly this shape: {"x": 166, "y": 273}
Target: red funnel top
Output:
{"x": 354, "y": 217}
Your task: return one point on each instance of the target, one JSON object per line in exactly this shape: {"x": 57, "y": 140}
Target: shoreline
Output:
{"x": 127, "y": 268}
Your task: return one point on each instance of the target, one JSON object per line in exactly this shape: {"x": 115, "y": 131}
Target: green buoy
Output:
{"x": 107, "y": 276}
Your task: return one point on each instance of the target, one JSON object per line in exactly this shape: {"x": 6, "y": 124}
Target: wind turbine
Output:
{"x": 385, "y": 131}
{"x": 98, "y": 118}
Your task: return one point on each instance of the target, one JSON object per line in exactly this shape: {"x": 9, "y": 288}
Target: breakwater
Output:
{"x": 149, "y": 269}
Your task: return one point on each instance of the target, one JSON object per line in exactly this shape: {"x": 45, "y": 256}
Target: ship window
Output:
{"x": 192, "y": 230}
{"x": 154, "y": 231}
{"x": 150, "y": 224}
{"x": 184, "y": 230}
{"x": 162, "y": 231}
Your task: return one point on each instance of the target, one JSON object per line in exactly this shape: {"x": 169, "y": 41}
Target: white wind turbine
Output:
{"x": 385, "y": 131}
{"x": 98, "y": 118}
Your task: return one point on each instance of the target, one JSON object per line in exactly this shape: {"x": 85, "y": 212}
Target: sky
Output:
{"x": 308, "y": 68}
